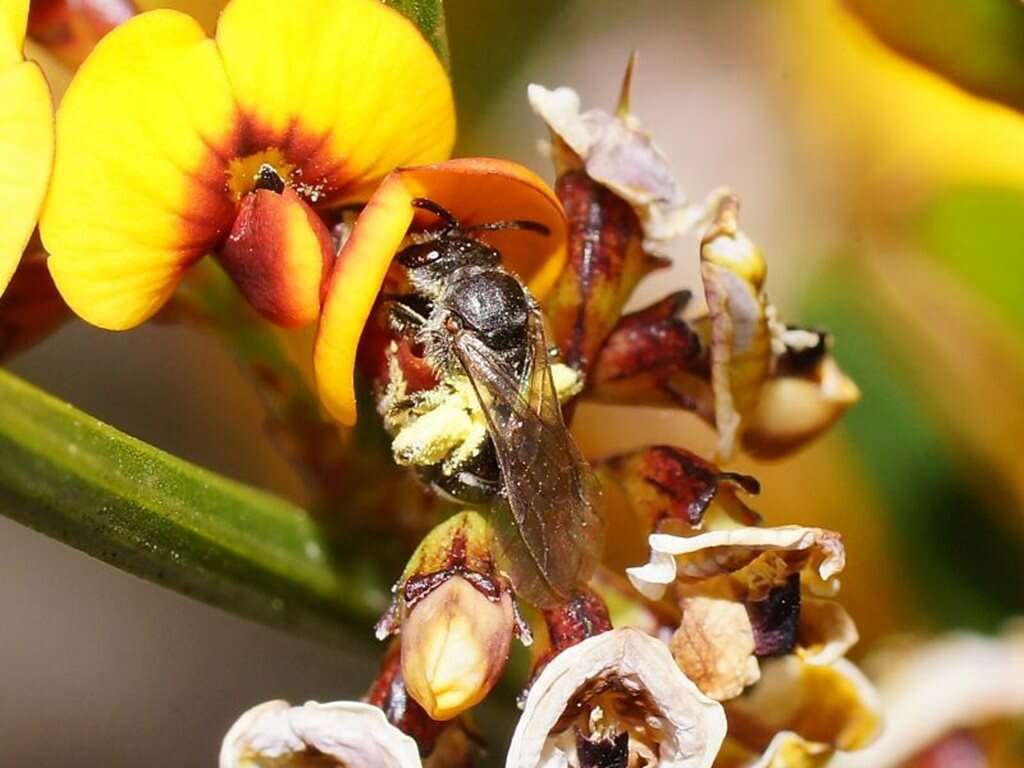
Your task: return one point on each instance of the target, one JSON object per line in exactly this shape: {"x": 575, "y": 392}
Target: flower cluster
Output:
{"x": 303, "y": 148}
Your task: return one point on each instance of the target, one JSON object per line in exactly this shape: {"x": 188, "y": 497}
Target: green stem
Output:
{"x": 82, "y": 482}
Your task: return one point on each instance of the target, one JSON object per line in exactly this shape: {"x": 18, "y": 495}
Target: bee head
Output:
{"x": 447, "y": 252}
{"x": 453, "y": 245}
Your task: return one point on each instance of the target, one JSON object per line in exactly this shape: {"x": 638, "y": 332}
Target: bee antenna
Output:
{"x": 524, "y": 224}
{"x": 438, "y": 210}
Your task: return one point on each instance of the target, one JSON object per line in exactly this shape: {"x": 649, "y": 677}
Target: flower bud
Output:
{"x": 455, "y": 645}
{"x": 456, "y": 617}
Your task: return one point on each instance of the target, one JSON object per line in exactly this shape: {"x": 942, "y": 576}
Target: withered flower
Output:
{"x": 345, "y": 734}
{"x": 666, "y": 485}
{"x": 748, "y": 593}
{"x": 616, "y": 699}
{"x": 456, "y": 618}
{"x": 801, "y": 714}
{"x": 957, "y": 695}
{"x": 616, "y": 152}
{"x": 774, "y": 387}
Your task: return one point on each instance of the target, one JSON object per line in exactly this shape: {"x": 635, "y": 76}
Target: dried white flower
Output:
{"x": 619, "y": 682}
{"x": 962, "y": 681}
{"x": 347, "y": 734}
{"x": 802, "y": 714}
{"x": 706, "y": 555}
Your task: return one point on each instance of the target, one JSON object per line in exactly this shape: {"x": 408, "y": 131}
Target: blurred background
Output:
{"x": 878, "y": 151}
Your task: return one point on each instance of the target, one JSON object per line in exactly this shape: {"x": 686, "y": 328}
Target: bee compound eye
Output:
{"x": 419, "y": 255}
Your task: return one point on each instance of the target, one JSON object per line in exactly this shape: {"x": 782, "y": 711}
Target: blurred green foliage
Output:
{"x": 944, "y": 530}
{"x": 978, "y": 234}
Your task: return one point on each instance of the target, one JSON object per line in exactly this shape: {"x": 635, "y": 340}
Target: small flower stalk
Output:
{"x": 456, "y": 618}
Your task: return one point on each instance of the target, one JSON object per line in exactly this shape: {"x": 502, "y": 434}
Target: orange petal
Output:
{"x": 26, "y": 157}
{"x": 476, "y": 190}
{"x": 278, "y": 253}
{"x": 138, "y": 185}
{"x": 348, "y": 89}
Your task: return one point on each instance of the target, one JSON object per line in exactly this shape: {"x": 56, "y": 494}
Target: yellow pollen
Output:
{"x": 243, "y": 171}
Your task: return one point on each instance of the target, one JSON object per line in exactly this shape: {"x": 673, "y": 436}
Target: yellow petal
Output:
{"x": 26, "y": 157}
{"x": 13, "y": 19}
{"x": 476, "y": 190}
{"x": 348, "y": 87}
{"x": 138, "y": 184}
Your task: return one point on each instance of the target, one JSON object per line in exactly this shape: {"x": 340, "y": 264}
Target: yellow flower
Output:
{"x": 476, "y": 191}
{"x": 171, "y": 145}
{"x": 26, "y": 138}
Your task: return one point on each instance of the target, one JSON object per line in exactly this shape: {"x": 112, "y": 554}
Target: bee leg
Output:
{"x": 405, "y": 320}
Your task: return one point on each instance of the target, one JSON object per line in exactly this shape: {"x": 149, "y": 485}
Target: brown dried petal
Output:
{"x": 733, "y": 270}
{"x": 794, "y": 409}
{"x": 786, "y": 750}
{"x": 775, "y": 618}
{"x": 653, "y": 357}
{"x": 605, "y": 262}
{"x": 668, "y": 483}
{"x": 714, "y": 646}
{"x": 826, "y": 631}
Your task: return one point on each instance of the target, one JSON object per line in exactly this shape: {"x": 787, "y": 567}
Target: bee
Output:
{"x": 474, "y": 320}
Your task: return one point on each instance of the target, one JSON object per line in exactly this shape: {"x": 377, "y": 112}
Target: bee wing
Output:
{"x": 545, "y": 518}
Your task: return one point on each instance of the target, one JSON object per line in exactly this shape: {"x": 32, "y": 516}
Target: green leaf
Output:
{"x": 428, "y": 15}
{"x": 153, "y": 515}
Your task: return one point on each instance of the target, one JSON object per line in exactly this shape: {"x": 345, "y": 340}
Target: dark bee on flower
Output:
{"x": 474, "y": 319}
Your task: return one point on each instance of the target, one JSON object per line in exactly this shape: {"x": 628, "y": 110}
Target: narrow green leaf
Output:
{"x": 153, "y": 515}
{"x": 428, "y": 15}
{"x": 974, "y": 231}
